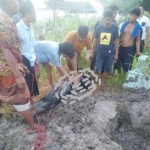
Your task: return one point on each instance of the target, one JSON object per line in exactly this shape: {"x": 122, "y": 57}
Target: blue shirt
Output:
{"x": 107, "y": 37}
{"x": 28, "y": 41}
{"x": 48, "y": 51}
{"x": 17, "y": 17}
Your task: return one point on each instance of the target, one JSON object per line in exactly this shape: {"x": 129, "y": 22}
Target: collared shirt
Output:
{"x": 48, "y": 51}
{"x": 144, "y": 22}
{"x": 28, "y": 41}
{"x": 9, "y": 40}
{"x": 17, "y": 17}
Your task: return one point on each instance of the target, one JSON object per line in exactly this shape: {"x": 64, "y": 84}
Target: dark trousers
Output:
{"x": 30, "y": 78}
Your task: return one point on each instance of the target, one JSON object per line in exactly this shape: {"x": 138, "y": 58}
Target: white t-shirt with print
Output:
{"x": 144, "y": 22}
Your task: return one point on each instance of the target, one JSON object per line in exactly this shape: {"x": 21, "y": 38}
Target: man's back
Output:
{"x": 48, "y": 51}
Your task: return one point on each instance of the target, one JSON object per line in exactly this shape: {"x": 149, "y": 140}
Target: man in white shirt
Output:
{"x": 27, "y": 38}
{"x": 145, "y": 23}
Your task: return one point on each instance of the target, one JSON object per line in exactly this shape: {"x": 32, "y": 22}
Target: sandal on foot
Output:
{"x": 40, "y": 129}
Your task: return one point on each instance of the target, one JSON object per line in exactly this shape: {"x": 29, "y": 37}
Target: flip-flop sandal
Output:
{"x": 40, "y": 129}
{"x": 103, "y": 88}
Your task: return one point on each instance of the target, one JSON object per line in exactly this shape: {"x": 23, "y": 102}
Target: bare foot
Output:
{"x": 35, "y": 128}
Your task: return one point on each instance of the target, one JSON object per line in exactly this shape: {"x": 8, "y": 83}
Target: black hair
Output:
{"x": 135, "y": 11}
{"x": 108, "y": 13}
{"x": 83, "y": 31}
{"x": 26, "y": 7}
{"x": 142, "y": 5}
{"x": 67, "y": 49}
{"x": 113, "y": 8}
{"x": 3, "y": 4}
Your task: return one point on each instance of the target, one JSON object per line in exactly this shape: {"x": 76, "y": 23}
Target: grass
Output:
{"x": 65, "y": 25}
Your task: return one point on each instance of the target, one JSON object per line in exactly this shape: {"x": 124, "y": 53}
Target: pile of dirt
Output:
{"x": 102, "y": 121}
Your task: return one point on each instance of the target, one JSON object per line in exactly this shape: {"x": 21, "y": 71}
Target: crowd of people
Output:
{"x": 21, "y": 54}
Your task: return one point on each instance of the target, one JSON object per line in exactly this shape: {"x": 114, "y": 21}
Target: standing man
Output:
{"x": 27, "y": 38}
{"x": 130, "y": 36}
{"x": 13, "y": 88}
{"x": 145, "y": 24}
{"x": 106, "y": 41}
{"x": 79, "y": 39}
{"x": 114, "y": 9}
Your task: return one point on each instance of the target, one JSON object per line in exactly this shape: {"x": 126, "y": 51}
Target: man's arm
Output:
{"x": 74, "y": 63}
{"x": 88, "y": 47}
{"x": 116, "y": 49}
{"x": 13, "y": 67}
{"x": 94, "y": 46}
{"x": 138, "y": 42}
{"x": 11, "y": 62}
{"x": 147, "y": 33}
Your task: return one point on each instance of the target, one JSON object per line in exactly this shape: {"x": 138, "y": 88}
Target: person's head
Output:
{"x": 134, "y": 14}
{"x": 27, "y": 11}
{"x": 82, "y": 32}
{"x": 41, "y": 38}
{"x": 107, "y": 18}
{"x": 66, "y": 49}
{"x": 114, "y": 9}
{"x": 10, "y": 6}
{"x": 142, "y": 8}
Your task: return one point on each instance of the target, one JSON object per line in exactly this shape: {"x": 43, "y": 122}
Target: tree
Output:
{"x": 125, "y": 6}
{"x": 147, "y": 4}
{"x": 50, "y": 3}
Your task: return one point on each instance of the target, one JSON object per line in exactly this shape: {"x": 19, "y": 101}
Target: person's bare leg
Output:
{"x": 104, "y": 78}
{"x": 119, "y": 71}
{"x": 49, "y": 73}
{"x": 29, "y": 119}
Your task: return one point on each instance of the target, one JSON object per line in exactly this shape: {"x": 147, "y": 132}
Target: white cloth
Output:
{"x": 22, "y": 108}
{"x": 144, "y": 22}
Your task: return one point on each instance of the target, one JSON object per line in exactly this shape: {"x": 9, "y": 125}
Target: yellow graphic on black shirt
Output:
{"x": 105, "y": 38}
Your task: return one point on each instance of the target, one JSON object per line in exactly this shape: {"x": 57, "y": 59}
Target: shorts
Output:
{"x": 30, "y": 78}
{"x": 104, "y": 61}
{"x": 125, "y": 58}
{"x": 10, "y": 92}
{"x": 22, "y": 108}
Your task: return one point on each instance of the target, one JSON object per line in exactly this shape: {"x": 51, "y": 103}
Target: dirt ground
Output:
{"x": 92, "y": 124}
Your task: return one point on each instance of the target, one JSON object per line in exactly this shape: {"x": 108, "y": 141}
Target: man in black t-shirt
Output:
{"x": 114, "y": 9}
{"x": 106, "y": 42}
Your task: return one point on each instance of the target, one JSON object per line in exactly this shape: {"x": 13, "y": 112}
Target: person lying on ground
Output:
{"x": 105, "y": 40}
{"x": 27, "y": 38}
{"x": 49, "y": 51}
{"x": 13, "y": 87}
{"x": 79, "y": 39}
{"x": 131, "y": 32}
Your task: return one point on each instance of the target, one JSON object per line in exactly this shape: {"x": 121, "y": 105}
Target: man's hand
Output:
{"x": 26, "y": 69}
{"x": 87, "y": 57}
{"x": 75, "y": 80}
{"x": 92, "y": 56}
{"x": 146, "y": 46}
{"x": 115, "y": 58}
{"x": 20, "y": 81}
{"x": 139, "y": 53}
{"x": 37, "y": 64}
